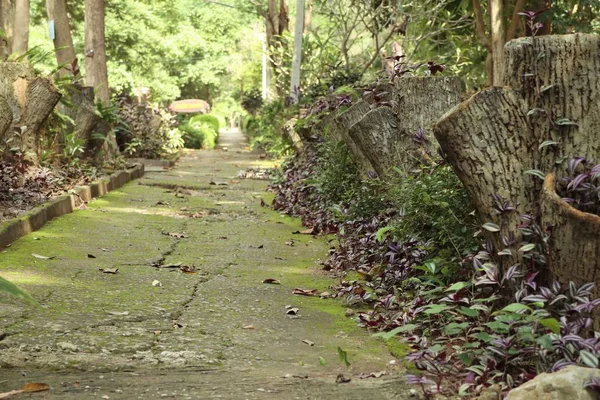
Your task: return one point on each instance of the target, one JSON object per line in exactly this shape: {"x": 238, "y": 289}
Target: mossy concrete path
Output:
{"x": 147, "y": 332}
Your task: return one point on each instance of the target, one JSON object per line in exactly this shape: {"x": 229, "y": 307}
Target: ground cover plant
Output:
{"x": 416, "y": 257}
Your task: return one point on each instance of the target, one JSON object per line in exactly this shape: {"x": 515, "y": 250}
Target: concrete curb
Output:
{"x": 13, "y": 229}
{"x": 153, "y": 163}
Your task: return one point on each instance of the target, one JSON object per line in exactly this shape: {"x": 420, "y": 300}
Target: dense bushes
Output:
{"x": 201, "y": 132}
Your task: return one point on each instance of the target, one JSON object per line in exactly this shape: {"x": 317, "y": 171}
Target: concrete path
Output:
{"x": 148, "y": 332}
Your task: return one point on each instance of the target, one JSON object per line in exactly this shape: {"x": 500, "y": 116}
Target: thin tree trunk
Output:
{"x": 63, "y": 41}
{"x": 8, "y": 13}
{"x": 271, "y": 21}
{"x": 498, "y": 25}
{"x": 20, "y": 41}
{"x": 95, "y": 50}
{"x": 284, "y": 18}
{"x": 95, "y": 65}
{"x": 308, "y": 15}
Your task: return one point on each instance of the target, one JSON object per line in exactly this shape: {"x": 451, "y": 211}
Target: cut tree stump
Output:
{"x": 548, "y": 114}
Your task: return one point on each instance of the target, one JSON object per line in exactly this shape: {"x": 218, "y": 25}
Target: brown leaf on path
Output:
{"x": 109, "y": 270}
{"x": 248, "y": 327}
{"x": 162, "y": 203}
{"x": 308, "y": 342}
{"x": 235, "y": 181}
{"x": 272, "y": 281}
{"x": 342, "y": 379}
{"x": 279, "y": 258}
{"x": 186, "y": 269}
{"x": 91, "y": 256}
{"x": 372, "y": 375}
{"x": 292, "y": 311}
{"x": 175, "y": 265}
{"x": 310, "y": 231}
{"x": 222, "y": 237}
{"x": 35, "y": 387}
{"x": 306, "y": 292}
{"x": 42, "y": 257}
{"x": 262, "y": 203}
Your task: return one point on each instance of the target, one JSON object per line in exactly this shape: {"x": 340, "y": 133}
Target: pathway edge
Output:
{"x": 34, "y": 219}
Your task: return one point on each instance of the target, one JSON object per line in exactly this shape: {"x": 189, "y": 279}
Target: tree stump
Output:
{"x": 549, "y": 114}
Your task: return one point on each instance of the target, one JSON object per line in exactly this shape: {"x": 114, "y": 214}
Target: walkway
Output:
{"x": 215, "y": 332}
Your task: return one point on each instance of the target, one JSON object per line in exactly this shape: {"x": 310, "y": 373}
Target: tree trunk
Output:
{"x": 96, "y": 69}
{"x": 20, "y": 40}
{"x": 498, "y": 26}
{"x": 63, "y": 41}
{"x": 308, "y": 15}
{"x": 271, "y": 21}
{"x": 494, "y": 137}
{"x": 284, "y": 18}
{"x": 576, "y": 237}
{"x": 95, "y": 50}
{"x": 375, "y": 135}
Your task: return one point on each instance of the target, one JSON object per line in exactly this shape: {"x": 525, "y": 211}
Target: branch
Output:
{"x": 514, "y": 22}
{"x": 378, "y": 51}
{"x": 480, "y": 25}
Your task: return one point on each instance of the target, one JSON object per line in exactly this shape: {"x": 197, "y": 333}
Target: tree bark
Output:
{"x": 271, "y": 21}
{"x": 575, "y": 237}
{"x": 308, "y": 15}
{"x": 493, "y": 138}
{"x": 63, "y": 41}
{"x": 20, "y": 40}
{"x": 339, "y": 131}
{"x": 284, "y": 18}
{"x": 375, "y": 135}
{"x": 498, "y": 26}
{"x": 95, "y": 49}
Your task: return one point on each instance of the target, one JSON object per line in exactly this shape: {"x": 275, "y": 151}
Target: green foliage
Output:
{"x": 12, "y": 289}
{"x": 207, "y": 119}
{"x": 265, "y": 130}
{"x": 199, "y": 134}
{"x": 435, "y": 207}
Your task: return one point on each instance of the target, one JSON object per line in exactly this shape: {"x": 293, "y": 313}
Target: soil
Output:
{"x": 216, "y": 331}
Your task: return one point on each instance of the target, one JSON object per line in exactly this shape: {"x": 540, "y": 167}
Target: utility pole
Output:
{"x": 297, "y": 60}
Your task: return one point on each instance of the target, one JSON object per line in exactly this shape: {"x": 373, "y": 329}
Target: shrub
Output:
{"x": 207, "y": 119}
{"x": 198, "y": 136}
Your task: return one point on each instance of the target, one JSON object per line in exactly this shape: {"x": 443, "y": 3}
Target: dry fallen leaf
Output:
{"x": 306, "y": 292}
{"x": 91, "y": 256}
{"x": 186, "y": 269}
{"x": 156, "y": 283}
{"x": 308, "y": 342}
{"x": 325, "y": 295}
{"x": 342, "y": 379}
{"x": 109, "y": 270}
{"x": 292, "y": 311}
{"x": 157, "y": 332}
{"x": 248, "y": 327}
{"x": 42, "y": 257}
{"x": 29, "y": 388}
{"x": 272, "y": 281}
{"x": 124, "y": 313}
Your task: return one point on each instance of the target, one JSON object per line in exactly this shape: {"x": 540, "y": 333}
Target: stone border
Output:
{"x": 33, "y": 220}
{"x": 153, "y": 162}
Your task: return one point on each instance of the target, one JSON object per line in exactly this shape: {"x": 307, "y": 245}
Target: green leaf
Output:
{"x": 394, "y": 332}
{"x": 469, "y": 312}
{"x": 12, "y": 289}
{"x": 343, "y": 357}
{"x": 536, "y": 172}
{"x": 454, "y": 328}
{"x": 489, "y": 226}
{"x": 545, "y": 341}
{"x": 322, "y": 361}
{"x": 505, "y": 252}
{"x": 464, "y": 357}
{"x": 547, "y": 143}
{"x": 457, "y": 286}
{"x": 484, "y": 336}
{"x": 381, "y": 233}
{"x": 588, "y": 359}
{"x": 515, "y": 307}
{"x": 527, "y": 247}
{"x": 436, "y": 308}
{"x": 552, "y": 324}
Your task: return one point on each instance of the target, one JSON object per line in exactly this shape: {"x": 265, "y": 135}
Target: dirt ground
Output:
{"x": 216, "y": 332}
